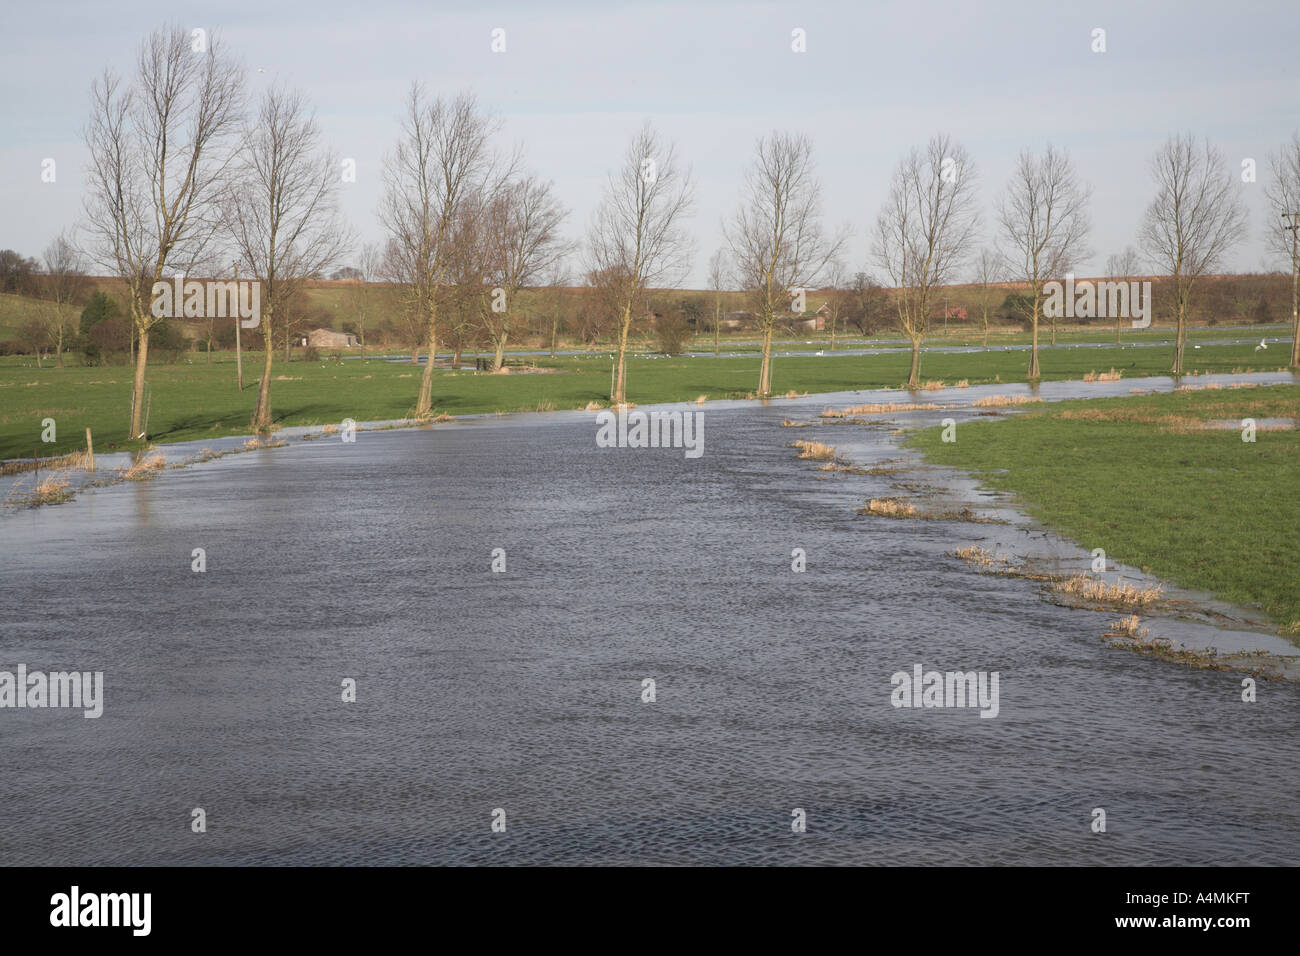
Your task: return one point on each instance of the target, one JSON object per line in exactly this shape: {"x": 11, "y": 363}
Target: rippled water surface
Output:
{"x": 522, "y": 690}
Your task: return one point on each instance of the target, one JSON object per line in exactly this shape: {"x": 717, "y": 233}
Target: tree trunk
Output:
{"x": 619, "y": 392}
{"x": 499, "y": 356}
{"x": 555, "y": 331}
{"x": 717, "y": 327}
{"x": 914, "y": 376}
{"x": 620, "y": 380}
{"x": 424, "y": 405}
{"x": 1295, "y": 316}
{"x": 765, "y": 370}
{"x": 137, "y": 388}
{"x": 1178, "y": 338}
{"x": 262, "y": 417}
{"x": 1033, "y": 349}
{"x": 834, "y": 322}
{"x": 456, "y": 355}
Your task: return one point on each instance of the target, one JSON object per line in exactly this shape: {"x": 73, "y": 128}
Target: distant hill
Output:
{"x": 1217, "y": 299}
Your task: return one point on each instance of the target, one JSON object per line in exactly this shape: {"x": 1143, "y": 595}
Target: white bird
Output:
{"x": 1263, "y": 344}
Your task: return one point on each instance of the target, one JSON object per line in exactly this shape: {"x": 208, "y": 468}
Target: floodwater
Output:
{"x": 522, "y": 691}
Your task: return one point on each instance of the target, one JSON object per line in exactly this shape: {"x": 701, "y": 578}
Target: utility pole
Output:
{"x": 1295, "y": 285}
{"x": 239, "y": 358}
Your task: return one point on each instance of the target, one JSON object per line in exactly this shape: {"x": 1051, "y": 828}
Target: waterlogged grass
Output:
{"x": 964, "y": 336}
{"x": 817, "y": 451}
{"x": 194, "y": 400}
{"x": 1145, "y": 480}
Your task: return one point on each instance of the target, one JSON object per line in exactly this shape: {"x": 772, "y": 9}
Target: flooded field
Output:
{"x": 524, "y": 690}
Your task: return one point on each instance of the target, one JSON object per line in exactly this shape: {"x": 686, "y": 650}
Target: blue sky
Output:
{"x": 577, "y": 79}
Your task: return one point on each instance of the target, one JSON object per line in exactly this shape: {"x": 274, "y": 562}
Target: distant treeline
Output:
{"x": 99, "y": 329}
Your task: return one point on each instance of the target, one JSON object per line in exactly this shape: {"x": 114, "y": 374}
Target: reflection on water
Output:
{"x": 522, "y": 690}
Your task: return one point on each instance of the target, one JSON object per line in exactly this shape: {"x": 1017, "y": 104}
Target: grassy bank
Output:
{"x": 196, "y": 401}
{"x": 1142, "y": 479}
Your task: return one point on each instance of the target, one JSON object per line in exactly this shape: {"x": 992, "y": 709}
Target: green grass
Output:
{"x": 197, "y": 401}
{"x": 1200, "y": 508}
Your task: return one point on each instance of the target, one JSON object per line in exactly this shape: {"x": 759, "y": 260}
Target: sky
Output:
{"x": 577, "y": 79}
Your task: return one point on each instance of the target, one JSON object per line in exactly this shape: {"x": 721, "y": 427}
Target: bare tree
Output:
{"x": 520, "y": 241}
{"x": 361, "y": 294}
{"x": 866, "y": 301}
{"x": 63, "y": 282}
{"x": 1122, "y": 265}
{"x": 1191, "y": 223}
{"x": 635, "y": 238}
{"x": 16, "y": 272}
{"x": 34, "y": 335}
{"x": 1043, "y": 215}
{"x": 988, "y": 274}
{"x": 837, "y": 283}
{"x": 282, "y": 215}
{"x": 1283, "y": 192}
{"x": 776, "y": 237}
{"x": 410, "y": 318}
{"x": 598, "y": 316}
{"x": 924, "y": 231}
{"x": 442, "y": 157}
{"x": 464, "y": 297}
{"x": 555, "y": 297}
{"x": 719, "y": 269}
{"x": 157, "y": 160}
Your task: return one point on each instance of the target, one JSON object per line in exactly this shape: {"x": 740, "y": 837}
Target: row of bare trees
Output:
{"x": 161, "y": 146}
{"x": 182, "y": 177}
{"x": 467, "y": 228}
{"x": 929, "y": 225}
{"x": 927, "y": 228}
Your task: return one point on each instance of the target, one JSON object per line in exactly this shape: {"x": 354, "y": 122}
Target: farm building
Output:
{"x": 329, "y": 339}
{"x": 809, "y": 321}
{"x": 733, "y": 321}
